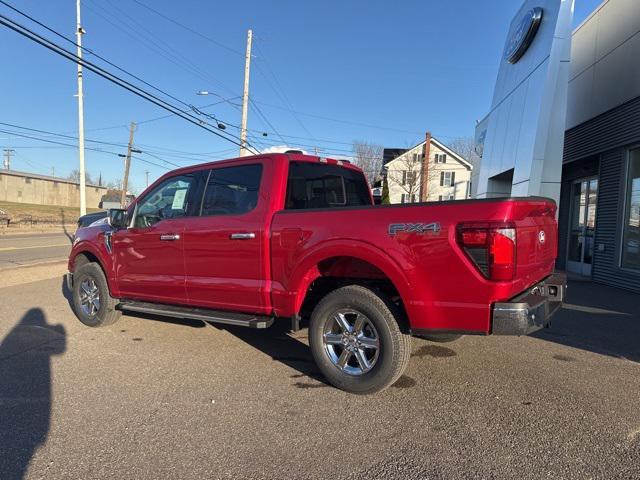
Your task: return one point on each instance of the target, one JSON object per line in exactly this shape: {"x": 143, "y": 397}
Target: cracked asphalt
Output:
{"x": 148, "y": 398}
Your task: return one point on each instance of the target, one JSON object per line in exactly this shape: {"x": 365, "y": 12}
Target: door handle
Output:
{"x": 242, "y": 236}
{"x": 170, "y": 237}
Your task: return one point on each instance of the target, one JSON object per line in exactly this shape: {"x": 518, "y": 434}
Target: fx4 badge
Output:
{"x": 395, "y": 228}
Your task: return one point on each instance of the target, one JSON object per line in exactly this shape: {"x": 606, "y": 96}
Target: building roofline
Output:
{"x": 441, "y": 145}
{"x": 590, "y": 16}
{"x": 37, "y": 176}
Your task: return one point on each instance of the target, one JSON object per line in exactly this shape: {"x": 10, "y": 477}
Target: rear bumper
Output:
{"x": 532, "y": 309}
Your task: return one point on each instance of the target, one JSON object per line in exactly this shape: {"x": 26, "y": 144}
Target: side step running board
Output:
{"x": 204, "y": 314}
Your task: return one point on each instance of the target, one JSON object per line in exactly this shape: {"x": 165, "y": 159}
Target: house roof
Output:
{"x": 442, "y": 146}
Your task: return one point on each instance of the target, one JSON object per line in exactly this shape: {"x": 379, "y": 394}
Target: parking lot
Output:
{"x": 154, "y": 398}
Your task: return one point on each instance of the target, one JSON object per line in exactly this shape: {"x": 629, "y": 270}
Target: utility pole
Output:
{"x": 7, "y": 158}
{"x": 83, "y": 192}
{"x": 245, "y": 98}
{"x": 127, "y": 164}
{"x": 146, "y": 172}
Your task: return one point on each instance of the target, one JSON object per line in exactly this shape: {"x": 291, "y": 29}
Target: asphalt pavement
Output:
{"x": 148, "y": 398}
{"x": 17, "y": 250}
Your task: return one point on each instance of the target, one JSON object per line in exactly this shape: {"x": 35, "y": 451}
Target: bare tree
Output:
{"x": 368, "y": 156}
{"x": 405, "y": 174}
{"x": 117, "y": 185}
{"x": 465, "y": 147}
{"x": 75, "y": 176}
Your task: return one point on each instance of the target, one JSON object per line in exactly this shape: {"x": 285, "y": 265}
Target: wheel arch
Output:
{"x": 87, "y": 255}
{"x": 333, "y": 266}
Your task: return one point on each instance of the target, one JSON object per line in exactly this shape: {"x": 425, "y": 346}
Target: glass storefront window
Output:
{"x": 631, "y": 232}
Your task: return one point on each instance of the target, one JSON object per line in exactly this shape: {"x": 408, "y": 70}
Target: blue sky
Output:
{"x": 379, "y": 71}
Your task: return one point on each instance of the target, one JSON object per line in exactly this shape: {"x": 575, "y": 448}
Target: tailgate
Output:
{"x": 537, "y": 240}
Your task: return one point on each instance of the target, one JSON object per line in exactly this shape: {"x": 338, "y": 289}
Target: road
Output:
{"x": 149, "y": 398}
{"x": 31, "y": 248}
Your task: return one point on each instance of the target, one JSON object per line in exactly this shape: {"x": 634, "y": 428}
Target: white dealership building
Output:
{"x": 566, "y": 124}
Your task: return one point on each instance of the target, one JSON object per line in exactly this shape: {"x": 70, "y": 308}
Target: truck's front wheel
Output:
{"x": 356, "y": 340}
{"x": 92, "y": 302}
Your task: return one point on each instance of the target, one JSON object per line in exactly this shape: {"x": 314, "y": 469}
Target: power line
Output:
{"x": 266, "y": 120}
{"x": 91, "y": 52}
{"x": 282, "y": 94}
{"x": 198, "y": 108}
{"x": 152, "y": 42}
{"x": 106, "y": 152}
{"x": 195, "y": 32}
{"x": 348, "y": 122}
{"x": 24, "y": 31}
{"x": 60, "y": 134}
{"x": 167, "y": 152}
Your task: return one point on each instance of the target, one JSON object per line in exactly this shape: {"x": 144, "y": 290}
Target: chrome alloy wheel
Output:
{"x": 351, "y": 341}
{"x": 89, "y": 297}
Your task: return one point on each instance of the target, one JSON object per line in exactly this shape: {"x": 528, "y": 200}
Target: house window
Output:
{"x": 440, "y": 158}
{"x": 444, "y": 198}
{"x": 631, "y": 225}
{"x": 447, "y": 179}
{"x": 408, "y": 177}
{"x": 407, "y": 198}
{"x": 417, "y": 157}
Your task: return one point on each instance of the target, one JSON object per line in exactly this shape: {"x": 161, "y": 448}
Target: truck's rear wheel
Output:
{"x": 356, "y": 340}
{"x": 92, "y": 303}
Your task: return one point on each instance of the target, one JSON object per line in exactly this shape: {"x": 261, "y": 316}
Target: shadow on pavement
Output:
{"x": 25, "y": 390}
{"x": 64, "y": 226}
{"x": 598, "y": 318}
{"x": 276, "y": 342}
{"x": 66, "y": 293}
{"x": 280, "y": 344}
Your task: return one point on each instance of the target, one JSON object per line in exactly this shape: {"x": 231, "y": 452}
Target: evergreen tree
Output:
{"x": 385, "y": 192}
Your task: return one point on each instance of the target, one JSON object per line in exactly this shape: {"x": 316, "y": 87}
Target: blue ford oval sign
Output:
{"x": 523, "y": 35}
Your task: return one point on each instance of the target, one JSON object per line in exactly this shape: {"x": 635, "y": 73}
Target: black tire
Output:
{"x": 442, "y": 338}
{"x": 106, "y": 314}
{"x": 394, "y": 347}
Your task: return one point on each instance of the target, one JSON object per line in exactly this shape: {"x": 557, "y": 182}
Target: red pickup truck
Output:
{"x": 290, "y": 236}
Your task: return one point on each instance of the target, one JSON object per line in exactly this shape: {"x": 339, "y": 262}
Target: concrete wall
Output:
{"x": 41, "y": 190}
{"x": 524, "y": 133}
{"x": 605, "y": 71}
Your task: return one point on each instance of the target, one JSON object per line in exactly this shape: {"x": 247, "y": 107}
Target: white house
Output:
{"x": 428, "y": 174}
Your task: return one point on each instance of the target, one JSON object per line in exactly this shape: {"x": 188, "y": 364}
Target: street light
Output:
{"x": 221, "y": 126}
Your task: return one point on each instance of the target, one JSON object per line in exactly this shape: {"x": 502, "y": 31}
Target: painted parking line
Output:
{"x": 10, "y": 249}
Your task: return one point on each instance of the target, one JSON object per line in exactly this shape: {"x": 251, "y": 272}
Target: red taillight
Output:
{"x": 492, "y": 248}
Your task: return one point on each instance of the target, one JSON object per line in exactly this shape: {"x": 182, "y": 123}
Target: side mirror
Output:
{"x": 117, "y": 218}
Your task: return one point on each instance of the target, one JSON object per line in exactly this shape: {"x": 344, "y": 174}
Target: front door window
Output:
{"x": 583, "y": 226}
{"x": 167, "y": 200}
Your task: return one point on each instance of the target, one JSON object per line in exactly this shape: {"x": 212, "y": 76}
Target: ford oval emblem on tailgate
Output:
{"x": 542, "y": 237}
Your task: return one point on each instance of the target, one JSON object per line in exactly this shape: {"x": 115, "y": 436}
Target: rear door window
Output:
{"x": 317, "y": 185}
{"x": 231, "y": 190}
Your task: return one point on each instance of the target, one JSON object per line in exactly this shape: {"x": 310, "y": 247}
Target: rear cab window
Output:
{"x": 320, "y": 185}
